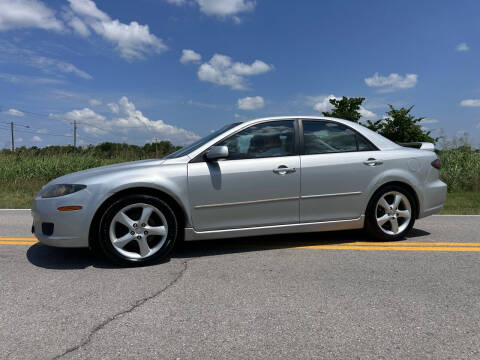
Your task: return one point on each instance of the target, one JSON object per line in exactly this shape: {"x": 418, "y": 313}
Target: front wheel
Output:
{"x": 138, "y": 229}
{"x": 390, "y": 214}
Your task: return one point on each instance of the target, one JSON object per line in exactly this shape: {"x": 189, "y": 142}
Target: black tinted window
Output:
{"x": 364, "y": 144}
{"x": 269, "y": 139}
{"x": 327, "y": 137}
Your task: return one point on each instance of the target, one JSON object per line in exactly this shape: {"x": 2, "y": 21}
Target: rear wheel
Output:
{"x": 138, "y": 229}
{"x": 391, "y": 213}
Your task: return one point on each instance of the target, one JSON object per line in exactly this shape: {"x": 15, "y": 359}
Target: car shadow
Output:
{"x": 71, "y": 259}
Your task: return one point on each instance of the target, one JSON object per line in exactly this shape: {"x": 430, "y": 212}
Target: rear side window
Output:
{"x": 321, "y": 137}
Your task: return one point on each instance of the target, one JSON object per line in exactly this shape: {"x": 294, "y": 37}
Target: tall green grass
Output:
{"x": 20, "y": 167}
{"x": 460, "y": 169}
{"x": 22, "y": 174}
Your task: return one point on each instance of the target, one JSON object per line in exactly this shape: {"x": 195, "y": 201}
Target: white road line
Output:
{"x": 15, "y": 209}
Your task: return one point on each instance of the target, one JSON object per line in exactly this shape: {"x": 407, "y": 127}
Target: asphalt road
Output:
{"x": 324, "y": 295}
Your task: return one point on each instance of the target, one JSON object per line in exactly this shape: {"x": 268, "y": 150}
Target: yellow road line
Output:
{"x": 392, "y": 248}
{"x": 359, "y": 245}
{"x": 408, "y": 243}
{"x": 18, "y": 241}
{"x": 18, "y": 238}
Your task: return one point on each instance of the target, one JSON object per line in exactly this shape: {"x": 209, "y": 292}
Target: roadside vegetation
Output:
{"x": 24, "y": 171}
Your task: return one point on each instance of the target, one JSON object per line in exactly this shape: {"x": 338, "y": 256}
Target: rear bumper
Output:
{"x": 70, "y": 228}
{"x": 434, "y": 196}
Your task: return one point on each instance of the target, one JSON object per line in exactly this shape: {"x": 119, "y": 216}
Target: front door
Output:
{"x": 257, "y": 185}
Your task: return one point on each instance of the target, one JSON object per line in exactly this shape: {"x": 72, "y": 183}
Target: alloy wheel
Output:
{"x": 393, "y": 212}
{"x": 138, "y": 231}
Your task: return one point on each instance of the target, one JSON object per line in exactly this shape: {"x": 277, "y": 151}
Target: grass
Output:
{"x": 462, "y": 203}
{"x": 23, "y": 174}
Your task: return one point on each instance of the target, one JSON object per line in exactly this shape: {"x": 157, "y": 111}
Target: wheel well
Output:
{"x": 409, "y": 189}
{"x": 176, "y": 207}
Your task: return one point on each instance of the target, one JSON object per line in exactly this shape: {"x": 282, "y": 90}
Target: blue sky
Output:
{"x": 130, "y": 71}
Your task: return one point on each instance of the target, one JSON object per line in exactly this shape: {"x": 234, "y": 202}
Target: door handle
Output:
{"x": 282, "y": 170}
{"x": 373, "y": 162}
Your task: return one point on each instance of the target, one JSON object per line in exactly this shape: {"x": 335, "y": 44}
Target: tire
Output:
{"x": 138, "y": 230}
{"x": 381, "y": 216}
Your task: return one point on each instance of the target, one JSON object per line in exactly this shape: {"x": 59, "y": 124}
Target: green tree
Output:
{"x": 345, "y": 108}
{"x": 401, "y": 127}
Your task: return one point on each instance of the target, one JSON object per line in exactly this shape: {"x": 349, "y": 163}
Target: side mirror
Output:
{"x": 217, "y": 152}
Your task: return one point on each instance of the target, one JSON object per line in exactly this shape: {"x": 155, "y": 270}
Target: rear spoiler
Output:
{"x": 419, "y": 145}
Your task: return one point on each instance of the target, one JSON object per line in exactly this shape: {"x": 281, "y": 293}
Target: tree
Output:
{"x": 401, "y": 127}
{"x": 345, "y": 108}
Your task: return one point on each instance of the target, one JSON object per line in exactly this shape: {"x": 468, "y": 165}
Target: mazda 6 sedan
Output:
{"x": 265, "y": 176}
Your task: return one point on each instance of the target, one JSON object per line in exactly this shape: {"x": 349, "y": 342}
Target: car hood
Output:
{"x": 86, "y": 176}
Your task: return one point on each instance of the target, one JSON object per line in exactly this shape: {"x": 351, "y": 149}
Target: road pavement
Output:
{"x": 324, "y": 295}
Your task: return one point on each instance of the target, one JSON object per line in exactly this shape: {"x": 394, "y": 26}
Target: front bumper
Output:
{"x": 70, "y": 228}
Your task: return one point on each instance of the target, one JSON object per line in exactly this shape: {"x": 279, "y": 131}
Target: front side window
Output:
{"x": 322, "y": 137}
{"x": 269, "y": 139}
{"x": 192, "y": 147}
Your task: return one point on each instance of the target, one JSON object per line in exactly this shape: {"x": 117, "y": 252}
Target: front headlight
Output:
{"x": 60, "y": 190}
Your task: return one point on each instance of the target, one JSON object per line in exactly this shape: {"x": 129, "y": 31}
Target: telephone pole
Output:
{"x": 13, "y": 140}
{"x": 156, "y": 147}
{"x": 74, "y": 134}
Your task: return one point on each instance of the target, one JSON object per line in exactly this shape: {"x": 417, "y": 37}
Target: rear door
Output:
{"x": 338, "y": 164}
{"x": 257, "y": 185}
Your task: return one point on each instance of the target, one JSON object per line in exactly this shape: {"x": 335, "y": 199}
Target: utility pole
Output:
{"x": 156, "y": 147}
{"x": 74, "y": 134}
{"x": 13, "y": 140}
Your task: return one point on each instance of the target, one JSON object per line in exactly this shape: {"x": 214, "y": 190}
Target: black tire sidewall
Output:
{"x": 371, "y": 224}
{"x": 104, "y": 237}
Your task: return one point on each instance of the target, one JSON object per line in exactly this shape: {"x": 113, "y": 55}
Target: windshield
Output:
{"x": 189, "y": 148}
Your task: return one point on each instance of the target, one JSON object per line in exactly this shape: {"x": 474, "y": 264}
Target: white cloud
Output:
{"x": 463, "y": 47}
{"x": 128, "y": 120}
{"x": 11, "y": 53}
{"x": 250, "y": 103}
{"x": 176, "y": 2}
{"x": 133, "y": 41}
{"x": 27, "y": 14}
{"x": 223, "y": 8}
{"x": 392, "y": 82}
{"x": 322, "y": 104}
{"x": 79, "y": 26}
{"x": 88, "y": 8}
{"x": 190, "y": 56}
{"x": 222, "y": 70}
{"x": 220, "y": 8}
{"x": 470, "y": 102}
{"x": 15, "y": 112}
{"x": 113, "y": 108}
{"x": 37, "y": 138}
{"x": 94, "y": 102}
{"x": 367, "y": 114}
{"x": 29, "y": 80}
{"x": 429, "y": 121}
{"x": 50, "y": 65}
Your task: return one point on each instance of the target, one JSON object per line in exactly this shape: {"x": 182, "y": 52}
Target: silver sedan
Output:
{"x": 265, "y": 176}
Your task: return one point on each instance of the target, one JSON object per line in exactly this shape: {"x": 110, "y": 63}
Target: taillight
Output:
{"x": 436, "y": 163}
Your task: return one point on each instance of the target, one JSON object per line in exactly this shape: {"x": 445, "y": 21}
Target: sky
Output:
{"x": 136, "y": 71}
